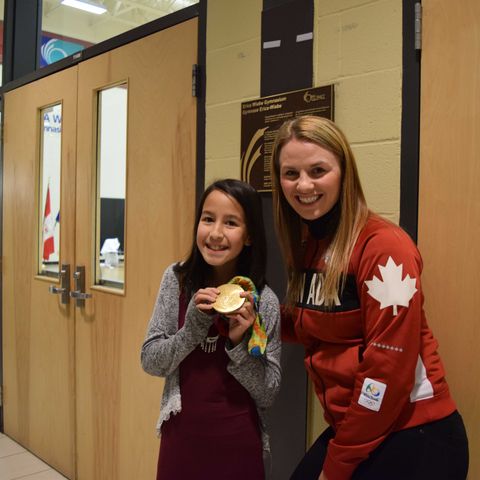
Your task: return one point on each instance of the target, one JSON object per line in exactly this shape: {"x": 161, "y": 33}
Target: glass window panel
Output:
{"x": 111, "y": 186}
{"x": 67, "y": 29}
{"x": 49, "y": 212}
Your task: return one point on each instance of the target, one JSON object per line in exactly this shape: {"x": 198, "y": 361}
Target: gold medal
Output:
{"x": 229, "y": 298}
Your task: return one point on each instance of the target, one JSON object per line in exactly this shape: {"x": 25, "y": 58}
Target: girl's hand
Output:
{"x": 322, "y": 477}
{"x": 241, "y": 320}
{"x": 204, "y": 297}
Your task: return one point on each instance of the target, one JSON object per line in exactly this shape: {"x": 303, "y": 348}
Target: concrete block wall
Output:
{"x": 233, "y": 76}
{"x": 358, "y": 48}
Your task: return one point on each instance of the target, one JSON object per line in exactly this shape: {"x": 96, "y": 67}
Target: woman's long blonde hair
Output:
{"x": 353, "y": 208}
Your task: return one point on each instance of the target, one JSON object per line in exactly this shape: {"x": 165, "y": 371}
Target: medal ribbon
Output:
{"x": 258, "y": 336}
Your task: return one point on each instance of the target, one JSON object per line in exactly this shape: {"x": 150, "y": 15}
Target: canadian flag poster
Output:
{"x": 48, "y": 229}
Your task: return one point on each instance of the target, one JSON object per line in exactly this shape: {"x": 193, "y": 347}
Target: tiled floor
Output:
{"x": 18, "y": 463}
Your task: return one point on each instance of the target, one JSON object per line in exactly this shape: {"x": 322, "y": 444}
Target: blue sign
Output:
{"x": 55, "y": 49}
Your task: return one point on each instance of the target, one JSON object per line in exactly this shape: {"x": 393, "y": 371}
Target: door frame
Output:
{"x": 198, "y": 10}
{"x": 1, "y": 263}
{"x": 410, "y": 124}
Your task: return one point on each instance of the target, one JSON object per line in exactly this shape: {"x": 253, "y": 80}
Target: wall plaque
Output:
{"x": 261, "y": 118}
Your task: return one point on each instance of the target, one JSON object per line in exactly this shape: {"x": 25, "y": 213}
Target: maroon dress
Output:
{"x": 216, "y": 436}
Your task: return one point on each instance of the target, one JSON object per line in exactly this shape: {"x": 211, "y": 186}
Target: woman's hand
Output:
{"x": 204, "y": 297}
{"x": 322, "y": 477}
{"x": 241, "y": 320}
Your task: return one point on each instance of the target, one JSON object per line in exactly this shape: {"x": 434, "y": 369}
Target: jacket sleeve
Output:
{"x": 165, "y": 346}
{"x": 388, "y": 281}
{"x": 260, "y": 375}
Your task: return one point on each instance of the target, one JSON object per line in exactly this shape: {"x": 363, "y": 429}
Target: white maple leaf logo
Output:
{"x": 392, "y": 291}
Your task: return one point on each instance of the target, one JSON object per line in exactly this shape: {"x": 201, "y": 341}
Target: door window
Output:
{"x": 49, "y": 188}
{"x": 111, "y": 186}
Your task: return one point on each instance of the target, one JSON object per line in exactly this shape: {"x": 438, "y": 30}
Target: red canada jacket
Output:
{"x": 372, "y": 358}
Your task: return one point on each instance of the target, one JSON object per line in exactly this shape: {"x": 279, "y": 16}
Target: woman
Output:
{"x": 354, "y": 300}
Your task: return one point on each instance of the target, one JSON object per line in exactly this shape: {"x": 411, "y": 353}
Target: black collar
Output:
{"x": 326, "y": 225}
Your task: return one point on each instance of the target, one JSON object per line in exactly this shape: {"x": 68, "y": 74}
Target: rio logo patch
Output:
{"x": 372, "y": 393}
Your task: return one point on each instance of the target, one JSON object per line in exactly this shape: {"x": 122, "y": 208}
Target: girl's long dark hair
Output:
{"x": 194, "y": 271}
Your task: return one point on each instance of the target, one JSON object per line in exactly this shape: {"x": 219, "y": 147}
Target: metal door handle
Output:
{"x": 54, "y": 289}
{"x": 64, "y": 288}
{"x": 79, "y": 293}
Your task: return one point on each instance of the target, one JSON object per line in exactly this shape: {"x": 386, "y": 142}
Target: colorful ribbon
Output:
{"x": 258, "y": 336}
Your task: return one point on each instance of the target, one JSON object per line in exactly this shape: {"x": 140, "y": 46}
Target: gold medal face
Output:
{"x": 229, "y": 298}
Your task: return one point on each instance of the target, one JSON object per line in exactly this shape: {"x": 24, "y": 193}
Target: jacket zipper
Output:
{"x": 327, "y": 411}
{"x": 324, "y": 394}
{"x": 312, "y": 259}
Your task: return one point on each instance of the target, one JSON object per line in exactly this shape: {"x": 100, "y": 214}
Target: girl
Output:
{"x": 212, "y": 417}
{"x": 354, "y": 301}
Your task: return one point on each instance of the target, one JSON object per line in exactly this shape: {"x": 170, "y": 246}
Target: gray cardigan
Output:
{"x": 166, "y": 345}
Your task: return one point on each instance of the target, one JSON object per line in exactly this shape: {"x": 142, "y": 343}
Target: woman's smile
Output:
{"x": 307, "y": 200}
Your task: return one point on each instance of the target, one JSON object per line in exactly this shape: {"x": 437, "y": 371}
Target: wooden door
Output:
{"x": 38, "y": 330}
{"x": 449, "y": 201}
{"x": 117, "y": 403}
{"x": 74, "y": 391}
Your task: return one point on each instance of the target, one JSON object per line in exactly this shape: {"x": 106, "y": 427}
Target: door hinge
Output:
{"x": 195, "y": 80}
{"x": 418, "y": 26}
